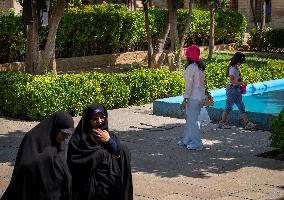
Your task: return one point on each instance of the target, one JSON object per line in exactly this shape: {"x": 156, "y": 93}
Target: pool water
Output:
{"x": 270, "y": 102}
{"x": 263, "y": 102}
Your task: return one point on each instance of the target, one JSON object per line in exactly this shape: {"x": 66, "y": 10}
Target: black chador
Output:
{"x": 100, "y": 171}
{"x": 41, "y": 171}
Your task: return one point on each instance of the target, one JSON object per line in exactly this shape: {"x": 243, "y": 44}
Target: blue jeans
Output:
{"x": 234, "y": 96}
{"x": 191, "y": 137}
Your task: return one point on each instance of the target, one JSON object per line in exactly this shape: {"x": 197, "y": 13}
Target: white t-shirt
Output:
{"x": 194, "y": 82}
{"x": 234, "y": 72}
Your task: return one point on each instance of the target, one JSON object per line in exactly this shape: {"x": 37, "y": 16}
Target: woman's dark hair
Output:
{"x": 200, "y": 64}
{"x": 238, "y": 57}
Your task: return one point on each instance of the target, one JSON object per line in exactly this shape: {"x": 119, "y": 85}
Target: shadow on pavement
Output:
{"x": 154, "y": 150}
{"x": 9, "y": 144}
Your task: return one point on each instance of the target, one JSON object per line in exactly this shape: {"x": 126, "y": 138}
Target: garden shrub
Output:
{"x": 49, "y": 93}
{"x": 12, "y": 39}
{"x": 273, "y": 41}
{"x": 266, "y": 40}
{"x": 256, "y": 69}
{"x": 277, "y": 132}
{"x": 113, "y": 88}
{"x": 35, "y": 97}
{"x": 147, "y": 85}
{"x": 12, "y": 93}
{"x": 107, "y": 28}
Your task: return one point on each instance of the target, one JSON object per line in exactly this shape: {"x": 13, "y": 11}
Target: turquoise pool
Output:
{"x": 263, "y": 102}
{"x": 271, "y": 102}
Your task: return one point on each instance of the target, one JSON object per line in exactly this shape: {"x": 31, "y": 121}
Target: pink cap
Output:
{"x": 192, "y": 52}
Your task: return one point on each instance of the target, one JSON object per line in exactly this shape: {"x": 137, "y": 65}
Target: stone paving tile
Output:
{"x": 229, "y": 198}
{"x": 179, "y": 197}
{"x": 250, "y": 195}
{"x": 227, "y": 168}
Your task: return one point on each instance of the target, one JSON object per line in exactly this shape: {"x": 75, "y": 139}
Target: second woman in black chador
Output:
{"x": 99, "y": 164}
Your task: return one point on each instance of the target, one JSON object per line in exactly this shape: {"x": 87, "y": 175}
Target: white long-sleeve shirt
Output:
{"x": 194, "y": 82}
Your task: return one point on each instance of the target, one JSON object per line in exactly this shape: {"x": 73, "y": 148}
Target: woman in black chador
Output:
{"x": 99, "y": 164}
{"x": 41, "y": 171}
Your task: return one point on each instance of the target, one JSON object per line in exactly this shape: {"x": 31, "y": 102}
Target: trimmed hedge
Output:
{"x": 269, "y": 40}
{"x": 146, "y": 85}
{"x": 108, "y": 28}
{"x": 12, "y": 39}
{"x": 35, "y": 97}
{"x": 256, "y": 69}
{"x": 277, "y": 132}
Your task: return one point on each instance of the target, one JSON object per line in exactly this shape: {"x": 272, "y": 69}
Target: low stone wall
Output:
{"x": 87, "y": 63}
{"x": 105, "y": 60}
{"x": 15, "y": 66}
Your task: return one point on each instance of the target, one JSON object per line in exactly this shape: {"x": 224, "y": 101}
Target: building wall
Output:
{"x": 5, "y": 5}
{"x": 277, "y": 13}
{"x": 160, "y": 3}
{"x": 163, "y": 3}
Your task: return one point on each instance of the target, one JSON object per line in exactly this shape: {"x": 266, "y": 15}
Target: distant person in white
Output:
{"x": 194, "y": 95}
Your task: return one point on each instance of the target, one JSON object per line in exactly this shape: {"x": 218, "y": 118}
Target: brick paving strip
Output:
{"x": 227, "y": 168}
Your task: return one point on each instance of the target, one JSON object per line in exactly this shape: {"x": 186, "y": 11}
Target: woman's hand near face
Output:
{"x": 101, "y": 135}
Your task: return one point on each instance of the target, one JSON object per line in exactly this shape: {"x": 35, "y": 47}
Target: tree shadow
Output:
{"x": 154, "y": 150}
{"x": 9, "y": 145}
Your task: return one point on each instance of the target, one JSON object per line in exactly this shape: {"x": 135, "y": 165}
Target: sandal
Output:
{"x": 223, "y": 126}
{"x": 250, "y": 126}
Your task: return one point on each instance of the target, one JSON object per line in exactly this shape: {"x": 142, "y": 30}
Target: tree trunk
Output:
{"x": 211, "y": 34}
{"x": 185, "y": 33}
{"x": 131, "y": 4}
{"x": 29, "y": 50}
{"x": 147, "y": 26}
{"x": 262, "y": 25}
{"x": 35, "y": 41}
{"x": 172, "y": 6}
{"x": 159, "y": 55}
{"x": 150, "y": 3}
{"x": 252, "y": 5}
{"x": 49, "y": 49}
{"x": 263, "y": 8}
{"x": 39, "y": 61}
{"x": 52, "y": 64}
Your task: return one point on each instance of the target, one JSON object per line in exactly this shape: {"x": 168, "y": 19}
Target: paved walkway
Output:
{"x": 227, "y": 168}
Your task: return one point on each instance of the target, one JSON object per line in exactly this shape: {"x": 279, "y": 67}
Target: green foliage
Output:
{"x": 256, "y": 39}
{"x": 224, "y": 21}
{"x": 199, "y": 29}
{"x": 230, "y": 27}
{"x": 113, "y": 88}
{"x": 256, "y": 69}
{"x": 277, "y": 132}
{"x": 12, "y": 39}
{"x": 266, "y": 40}
{"x": 274, "y": 43}
{"x": 112, "y": 28}
{"x": 35, "y": 97}
{"x": 147, "y": 85}
{"x": 12, "y": 93}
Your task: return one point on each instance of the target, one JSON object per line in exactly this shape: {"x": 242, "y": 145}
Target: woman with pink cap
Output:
{"x": 194, "y": 95}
